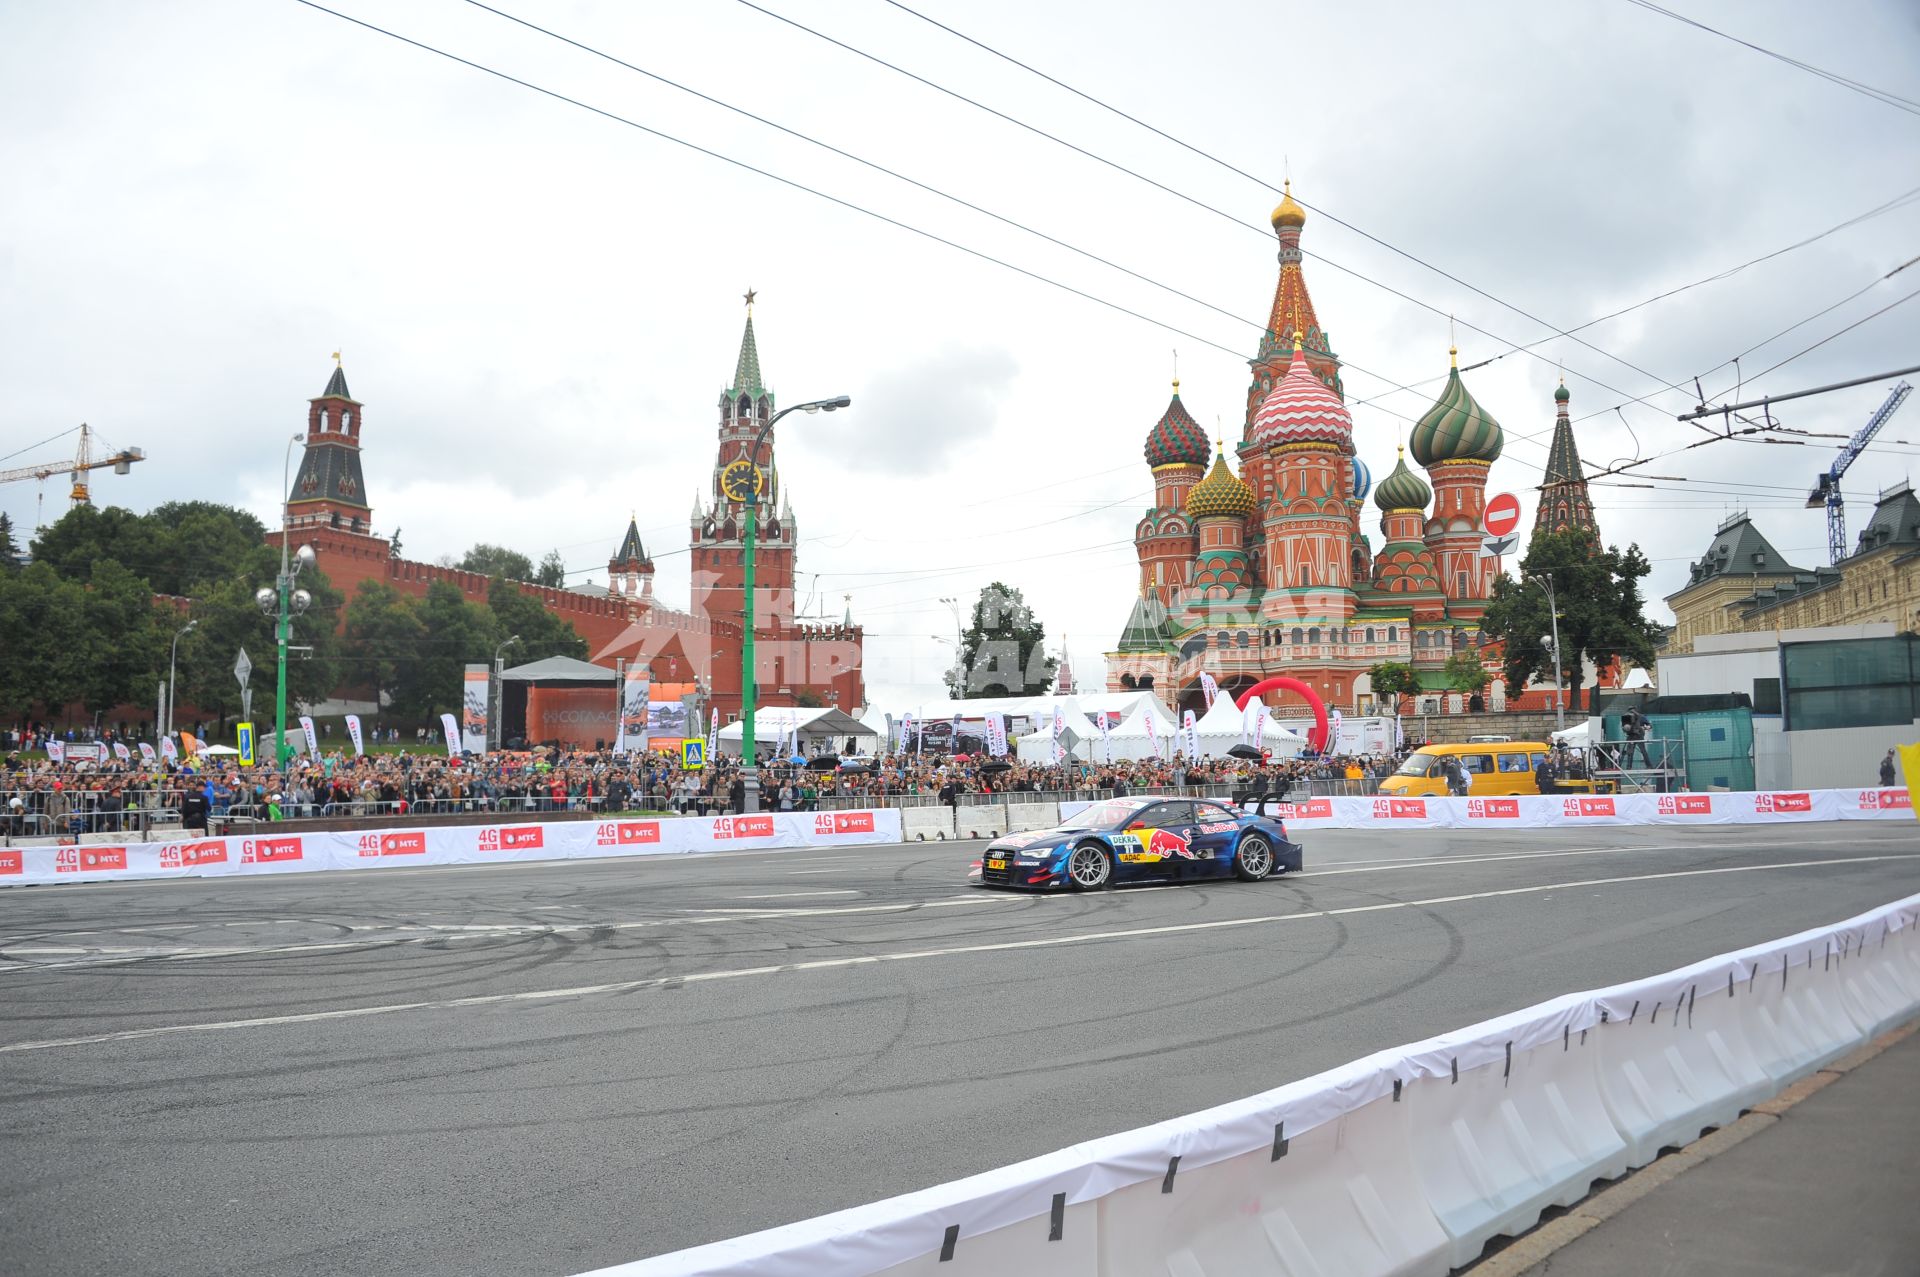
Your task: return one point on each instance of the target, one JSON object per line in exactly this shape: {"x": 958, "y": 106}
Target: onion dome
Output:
{"x": 1288, "y": 213}
{"x": 1221, "y": 493}
{"x": 1362, "y": 480}
{"x": 1403, "y": 489}
{"x": 1561, "y": 395}
{"x": 1456, "y": 428}
{"x": 1301, "y": 409}
{"x": 1176, "y": 439}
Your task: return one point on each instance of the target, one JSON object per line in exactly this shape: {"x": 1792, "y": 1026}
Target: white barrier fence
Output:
{"x": 1405, "y": 1162}
{"x": 266, "y": 852}
{"x": 1566, "y": 811}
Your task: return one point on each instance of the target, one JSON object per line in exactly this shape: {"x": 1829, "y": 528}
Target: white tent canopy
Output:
{"x": 821, "y": 731}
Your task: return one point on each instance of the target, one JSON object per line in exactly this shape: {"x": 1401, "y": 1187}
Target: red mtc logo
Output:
{"x": 72, "y": 860}
{"x": 1686, "y": 804}
{"x": 188, "y": 854}
{"x": 1577, "y": 807}
{"x": 843, "y": 822}
{"x": 1312, "y": 809}
{"x": 1399, "y": 809}
{"x": 626, "y": 833}
{"x": 1885, "y": 800}
{"x": 269, "y": 851}
{"x": 410, "y": 844}
{"x": 12, "y": 862}
{"x": 520, "y": 838}
{"x": 1493, "y": 808}
{"x": 1782, "y": 804}
{"x": 743, "y": 827}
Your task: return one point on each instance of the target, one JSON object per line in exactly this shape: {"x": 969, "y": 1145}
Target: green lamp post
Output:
{"x": 741, "y": 481}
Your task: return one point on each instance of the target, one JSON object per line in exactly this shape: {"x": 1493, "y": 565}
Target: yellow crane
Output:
{"x": 83, "y": 462}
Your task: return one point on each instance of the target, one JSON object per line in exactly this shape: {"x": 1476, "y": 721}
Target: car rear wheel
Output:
{"x": 1089, "y": 868}
{"x": 1255, "y": 860}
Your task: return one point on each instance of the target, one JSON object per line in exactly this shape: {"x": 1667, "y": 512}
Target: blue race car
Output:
{"x": 1126, "y": 840}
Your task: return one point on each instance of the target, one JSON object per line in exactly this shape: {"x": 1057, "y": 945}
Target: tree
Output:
{"x": 229, "y": 619}
{"x": 1602, "y": 612}
{"x": 552, "y": 571}
{"x": 1392, "y": 680}
{"x": 176, "y": 548}
{"x": 124, "y": 639}
{"x": 1003, "y": 651}
{"x": 43, "y": 631}
{"x": 384, "y": 636}
{"x": 542, "y": 634}
{"x": 454, "y": 634}
{"x": 1465, "y": 672}
{"x": 9, "y": 548}
{"x": 496, "y": 560}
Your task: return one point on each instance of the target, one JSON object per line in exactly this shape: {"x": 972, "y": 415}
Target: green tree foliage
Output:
{"x": 229, "y": 619}
{"x": 1465, "y": 672}
{"x": 457, "y": 633}
{"x": 1003, "y": 651}
{"x": 384, "y": 636}
{"x": 497, "y": 560}
{"x": 97, "y": 643}
{"x": 175, "y": 548}
{"x": 1393, "y": 679}
{"x": 9, "y": 548}
{"x": 552, "y": 571}
{"x": 1602, "y": 610}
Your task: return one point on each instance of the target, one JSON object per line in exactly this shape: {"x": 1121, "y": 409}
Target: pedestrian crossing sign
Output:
{"x": 693, "y": 754}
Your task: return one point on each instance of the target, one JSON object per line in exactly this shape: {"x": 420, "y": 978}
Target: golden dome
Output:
{"x": 1220, "y": 493}
{"x": 1288, "y": 213}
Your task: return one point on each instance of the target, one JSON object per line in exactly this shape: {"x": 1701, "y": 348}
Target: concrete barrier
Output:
{"x": 1400, "y": 1164}
{"x": 980, "y": 820}
{"x": 1025, "y": 816}
{"x": 926, "y": 824}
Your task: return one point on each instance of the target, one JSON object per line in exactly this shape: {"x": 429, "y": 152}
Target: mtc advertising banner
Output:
{"x": 634, "y": 688}
{"x": 476, "y": 700}
{"x": 353, "y": 734}
{"x": 313, "y": 737}
{"x": 451, "y": 731}
{"x": 469, "y": 844}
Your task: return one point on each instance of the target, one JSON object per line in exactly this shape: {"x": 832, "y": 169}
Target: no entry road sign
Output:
{"x": 1503, "y": 515}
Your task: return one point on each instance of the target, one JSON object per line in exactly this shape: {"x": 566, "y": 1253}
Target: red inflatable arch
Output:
{"x": 1317, "y": 738}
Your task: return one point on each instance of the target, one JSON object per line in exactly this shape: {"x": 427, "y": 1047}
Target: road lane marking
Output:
{"x": 909, "y": 955}
{"x": 1382, "y": 866}
{"x": 789, "y": 895}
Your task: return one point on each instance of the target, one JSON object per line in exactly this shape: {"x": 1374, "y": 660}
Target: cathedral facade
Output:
{"x": 1273, "y": 569}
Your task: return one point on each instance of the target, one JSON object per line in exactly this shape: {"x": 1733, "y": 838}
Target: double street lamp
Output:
{"x": 284, "y": 599}
{"x": 745, "y": 488}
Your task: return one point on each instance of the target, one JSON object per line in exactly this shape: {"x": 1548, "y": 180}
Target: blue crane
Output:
{"x": 1826, "y": 490}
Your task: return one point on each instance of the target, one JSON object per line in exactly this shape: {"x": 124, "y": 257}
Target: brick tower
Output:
{"x": 329, "y": 490}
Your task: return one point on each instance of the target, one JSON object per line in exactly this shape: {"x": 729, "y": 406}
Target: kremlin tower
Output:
{"x": 1271, "y": 571}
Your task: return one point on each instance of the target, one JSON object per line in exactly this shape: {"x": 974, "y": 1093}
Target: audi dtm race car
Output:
{"x": 1126, "y": 840}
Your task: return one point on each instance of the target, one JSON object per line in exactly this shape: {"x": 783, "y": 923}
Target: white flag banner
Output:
{"x": 1153, "y": 736}
{"x": 1259, "y": 725}
{"x": 1193, "y": 738}
{"x": 1333, "y": 731}
{"x": 953, "y": 741}
{"x": 353, "y": 734}
{"x": 168, "y": 749}
{"x": 997, "y": 731}
{"x": 146, "y": 752}
{"x": 713, "y": 735}
{"x": 906, "y": 733}
{"x": 1399, "y": 734}
{"x": 56, "y": 751}
{"x": 1106, "y": 739}
{"x": 450, "y": 728}
{"x": 121, "y": 752}
{"x": 1209, "y": 688}
{"x": 313, "y": 737}
{"x": 1059, "y": 730}
{"x": 1246, "y": 720}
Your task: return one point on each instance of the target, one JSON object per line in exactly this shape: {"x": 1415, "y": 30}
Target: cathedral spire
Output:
{"x": 1564, "y": 501}
{"x": 746, "y": 369}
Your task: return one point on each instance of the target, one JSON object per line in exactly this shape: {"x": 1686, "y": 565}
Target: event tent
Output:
{"x": 821, "y": 731}
{"x": 1078, "y": 737}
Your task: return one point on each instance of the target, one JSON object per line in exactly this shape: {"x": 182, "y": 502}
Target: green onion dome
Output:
{"x": 1221, "y": 493}
{"x": 1403, "y": 489}
{"x": 1456, "y": 428}
{"x": 1561, "y": 395}
{"x": 1176, "y": 439}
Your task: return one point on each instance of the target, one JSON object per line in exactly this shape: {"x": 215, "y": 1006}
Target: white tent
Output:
{"x": 821, "y": 731}
{"x": 1078, "y": 737}
{"x": 875, "y": 721}
{"x": 1131, "y": 739}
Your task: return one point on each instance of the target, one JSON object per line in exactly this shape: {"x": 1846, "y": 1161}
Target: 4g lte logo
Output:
{"x": 515, "y": 838}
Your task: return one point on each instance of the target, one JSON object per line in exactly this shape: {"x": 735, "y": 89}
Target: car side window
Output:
{"x": 1515, "y": 763}
{"x": 1476, "y": 764}
{"x": 1170, "y": 815}
{"x": 1209, "y": 813}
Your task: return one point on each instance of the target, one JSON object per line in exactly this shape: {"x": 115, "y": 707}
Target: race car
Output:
{"x": 1124, "y": 840}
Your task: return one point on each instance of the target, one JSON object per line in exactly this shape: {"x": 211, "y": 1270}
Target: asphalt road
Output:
{"x": 549, "y": 1068}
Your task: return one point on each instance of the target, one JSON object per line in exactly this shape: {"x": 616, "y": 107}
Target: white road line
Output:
{"x": 1383, "y": 866}
{"x": 789, "y": 895}
{"x": 909, "y": 955}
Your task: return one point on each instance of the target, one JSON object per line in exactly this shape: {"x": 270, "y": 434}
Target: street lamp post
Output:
{"x": 172, "y": 655}
{"x": 1545, "y": 582}
{"x": 749, "y": 776}
{"x": 287, "y": 602}
{"x": 499, "y": 693}
{"x": 959, "y": 648}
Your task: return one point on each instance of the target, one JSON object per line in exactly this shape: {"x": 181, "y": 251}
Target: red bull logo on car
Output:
{"x": 1155, "y": 845}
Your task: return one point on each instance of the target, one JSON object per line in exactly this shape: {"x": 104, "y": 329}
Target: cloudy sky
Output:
{"x": 539, "y": 304}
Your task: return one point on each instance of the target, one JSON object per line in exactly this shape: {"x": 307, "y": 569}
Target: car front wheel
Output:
{"x": 1088, "y": 868}
{"x": 1255, "y": 860}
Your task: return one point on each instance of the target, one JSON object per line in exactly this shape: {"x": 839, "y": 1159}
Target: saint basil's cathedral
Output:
{"x": 1272, "y": 570}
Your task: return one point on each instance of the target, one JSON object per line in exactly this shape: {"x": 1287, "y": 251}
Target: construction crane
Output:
{"x": 1826, "y": 489}
{"x": 83, "y": 462}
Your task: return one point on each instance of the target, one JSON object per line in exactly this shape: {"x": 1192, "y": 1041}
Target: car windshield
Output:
{"x": 1112, "y": 812}
{"x": 1417, "y": 763}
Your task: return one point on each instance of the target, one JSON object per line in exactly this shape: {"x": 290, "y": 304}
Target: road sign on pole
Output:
{"x": 1502, "y": 516}
{"x": 1494, "y": 547}
{"x": 243, "y": 667}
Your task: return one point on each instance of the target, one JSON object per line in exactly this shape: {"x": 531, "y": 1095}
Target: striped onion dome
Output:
{"x": 1403, "y": 489}
{"x": 1176, "y": 439}
{"x": 1221, "y": 493}
{"x": 1456, "y": 428}
{"x": 1362, "y": 480}
{"x": 1301, "y": 409}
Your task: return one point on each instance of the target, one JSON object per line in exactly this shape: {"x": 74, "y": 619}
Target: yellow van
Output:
{"x": 1493, "y": 768}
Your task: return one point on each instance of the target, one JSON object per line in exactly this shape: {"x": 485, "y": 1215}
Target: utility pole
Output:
{"x": 1545, "y": 582}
